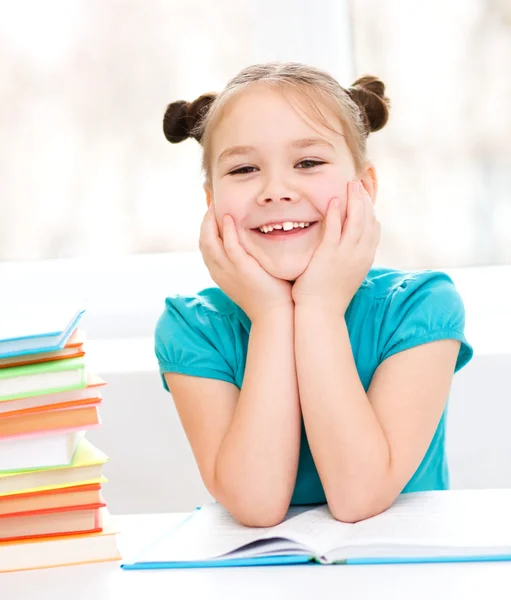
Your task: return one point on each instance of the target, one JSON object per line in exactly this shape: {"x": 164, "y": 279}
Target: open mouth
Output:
{"x": 285, "y": 230}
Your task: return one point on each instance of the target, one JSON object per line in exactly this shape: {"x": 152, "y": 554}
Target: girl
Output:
{"x": 308, "y": 375}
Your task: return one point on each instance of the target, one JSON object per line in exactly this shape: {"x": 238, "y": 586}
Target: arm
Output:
{"x": 258, "y": 458}
{"x": 246, "y": 442}
{"x": 367, "y": 446}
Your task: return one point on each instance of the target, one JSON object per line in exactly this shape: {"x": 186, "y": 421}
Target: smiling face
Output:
{"x": 272, "y": 164}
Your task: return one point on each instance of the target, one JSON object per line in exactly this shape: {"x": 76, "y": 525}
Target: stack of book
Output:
{"x": 52, "y": 512}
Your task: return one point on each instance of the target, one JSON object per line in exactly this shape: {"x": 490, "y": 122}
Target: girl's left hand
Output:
{"x": 340, "y": 262}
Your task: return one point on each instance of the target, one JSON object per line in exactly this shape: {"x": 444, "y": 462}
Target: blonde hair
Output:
{"x": 361, "y": 109}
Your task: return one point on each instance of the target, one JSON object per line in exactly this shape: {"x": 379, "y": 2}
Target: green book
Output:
{"x": 42, "y": 378}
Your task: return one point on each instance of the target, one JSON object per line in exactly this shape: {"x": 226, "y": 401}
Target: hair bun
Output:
{"x": 174, "y": 122}
{"x": 368, "y": 93}
{"x": 184, "y": 119}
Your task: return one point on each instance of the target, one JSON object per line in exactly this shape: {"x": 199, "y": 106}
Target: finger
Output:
{"x": 354, "y": 225}
{"x": 372, "y": 226}
{"x": 209, "y": 228}
{"x": 209, "y": 220}
{"x": 371, "y": 236}
{"x": 210, "y": 243}
{"x": 232, "y": 246}
{"x": 376, "y": 237}
{"x": 332, "y": 232}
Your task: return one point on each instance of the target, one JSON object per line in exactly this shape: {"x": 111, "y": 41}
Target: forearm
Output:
{"x": 258, "y": 460}
{"x": 347, "y": 442}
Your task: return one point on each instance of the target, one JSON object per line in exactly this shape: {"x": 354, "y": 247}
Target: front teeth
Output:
{"x": 287, "y": 226}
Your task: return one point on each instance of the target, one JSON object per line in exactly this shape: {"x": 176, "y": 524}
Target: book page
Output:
{"x": 318, "y": 530}
{"x": 210, "y": 532}
{"x": 455, "y": 518}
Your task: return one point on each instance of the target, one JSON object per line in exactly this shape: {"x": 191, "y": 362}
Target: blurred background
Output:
{"x": 95, "y": 204}
{"x": 85, "y": 170}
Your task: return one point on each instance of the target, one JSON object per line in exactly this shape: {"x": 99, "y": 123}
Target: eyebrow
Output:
{"x": 299, "y": 144}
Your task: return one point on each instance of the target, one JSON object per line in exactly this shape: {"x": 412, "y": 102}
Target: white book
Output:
{"x": 42, "y": 378}
{"x": 94, "y": 384}
{"x": 436, "y": 526}
{"x": 34, "y": 451}
{"x": 86, "y": 467}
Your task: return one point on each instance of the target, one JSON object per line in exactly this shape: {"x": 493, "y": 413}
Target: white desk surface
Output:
{"x": 107, "y": 581}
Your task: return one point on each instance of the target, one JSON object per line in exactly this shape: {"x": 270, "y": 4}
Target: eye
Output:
{"x": 242, "y": 171}
{"x": 309, "y": 163}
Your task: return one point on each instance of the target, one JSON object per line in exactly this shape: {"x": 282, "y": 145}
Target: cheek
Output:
{"x": 227, "y": 203}
{"x": 327, "y": 188}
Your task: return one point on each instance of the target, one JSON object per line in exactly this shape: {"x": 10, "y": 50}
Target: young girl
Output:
{"x": 307, "y": 375}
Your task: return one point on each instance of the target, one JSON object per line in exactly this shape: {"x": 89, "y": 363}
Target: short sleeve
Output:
{"x": 192, "y": 340}
{"x": 424, "y": 307}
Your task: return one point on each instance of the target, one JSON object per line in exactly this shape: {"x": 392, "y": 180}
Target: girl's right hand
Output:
{"x": 237, "y": 273}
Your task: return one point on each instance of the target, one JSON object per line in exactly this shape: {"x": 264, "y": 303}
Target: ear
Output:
{"x": 370, "y": 181}
{"x": 209, "y": 195}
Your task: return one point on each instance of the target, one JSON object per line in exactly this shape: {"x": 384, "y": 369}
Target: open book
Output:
{"x": 458, "y": 525}
{"x": 36, "y": 327}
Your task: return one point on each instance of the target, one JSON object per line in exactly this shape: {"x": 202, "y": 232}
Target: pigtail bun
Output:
{"x": 368, "y": 93}
{"x": 185, "y": 119}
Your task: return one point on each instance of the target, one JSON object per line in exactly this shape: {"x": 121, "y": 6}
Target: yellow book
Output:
{"x": 86, "y": 467}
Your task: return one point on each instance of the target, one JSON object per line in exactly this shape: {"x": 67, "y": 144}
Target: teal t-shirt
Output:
{"x": 206, "y": 335}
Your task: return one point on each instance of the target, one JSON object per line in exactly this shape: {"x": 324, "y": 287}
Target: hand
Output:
{"x": 237, "y": 273}
{"x": 341, "y": 262}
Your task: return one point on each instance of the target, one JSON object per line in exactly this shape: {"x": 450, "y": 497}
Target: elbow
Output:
{"x": 362, "y": 500}
{"x": 252, "y": 512}
{"x": 355, "y": 511}
{"x": 351, "y": 515}
{"x": 259, "y": 518}
{"x": 251, "y": 509}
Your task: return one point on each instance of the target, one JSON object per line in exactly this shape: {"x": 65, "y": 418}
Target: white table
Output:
{"x": 107, "y": 581}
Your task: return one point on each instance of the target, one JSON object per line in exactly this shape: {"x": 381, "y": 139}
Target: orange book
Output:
{"x": 73, "y": 349}
{"x": 50, "y": 500}
{"x": 57, "y": 551}
{"x": 93, "y": 401}
{"x": 49, "y": 420}
{"x": 58, "y": 400}
{"x": 62, "y": 521}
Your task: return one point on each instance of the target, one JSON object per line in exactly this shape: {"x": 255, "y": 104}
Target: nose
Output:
{"x": 275, "y": 191}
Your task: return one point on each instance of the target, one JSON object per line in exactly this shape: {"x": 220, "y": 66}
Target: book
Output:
{"x": 82, "y": 417}
{"x": 51, "y": 523}
{"x": 42, "y": 378}
{"x": 433, "y": 526}
{"x": 42, "y": 553}
{"x": 40, "y": 327}
{"x": 73, "y": 349}
{"x": 79, "y": 495}
{"x": 39, "y": 410}
{"x": 58, "y": 399}
{"x": 34, "y": 451}
{"x": 86, "y": 467}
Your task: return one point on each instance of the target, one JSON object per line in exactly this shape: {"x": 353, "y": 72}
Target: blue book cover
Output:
{"x": 31, "y": 329}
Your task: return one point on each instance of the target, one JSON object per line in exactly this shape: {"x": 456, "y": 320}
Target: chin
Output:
{"x": 288, "y": 270}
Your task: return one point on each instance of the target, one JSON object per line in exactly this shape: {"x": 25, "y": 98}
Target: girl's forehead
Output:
{"x": 261, "y": 102}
